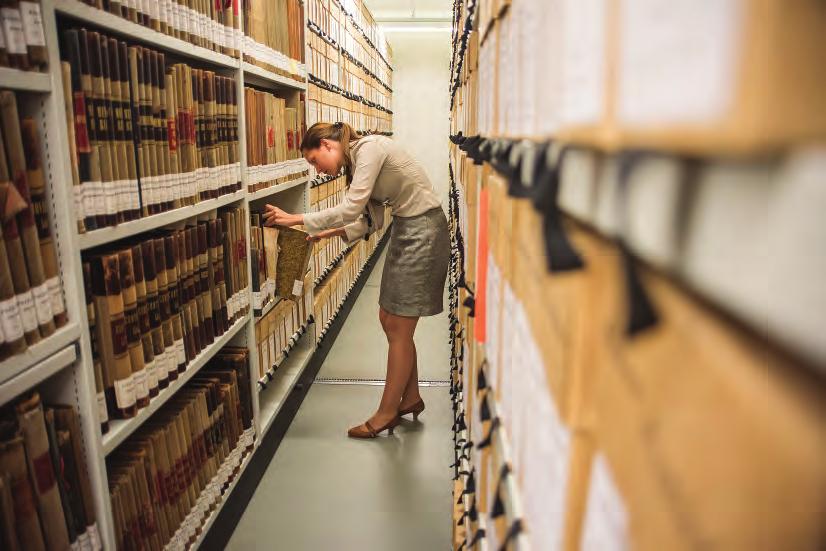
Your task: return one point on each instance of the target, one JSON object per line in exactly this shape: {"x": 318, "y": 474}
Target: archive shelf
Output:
{"x": 52, "y": 362}
{"x": 36, "y": 356}
{"x": 127, "y": 29}
{"x": 261, "y": 77}
{"x": 272, "y": 190}
{"x": 25, "y": 81}
{"x": 120, "y": 429}
{"x": 272, "y": 398}
{"x": 110, "y": 234}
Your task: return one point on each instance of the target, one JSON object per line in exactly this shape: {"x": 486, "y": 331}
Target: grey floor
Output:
{"x": 324, "y": 491}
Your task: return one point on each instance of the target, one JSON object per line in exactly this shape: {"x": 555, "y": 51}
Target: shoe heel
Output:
{"x": 390, "y": 431}
{"x": 416, "y": 416}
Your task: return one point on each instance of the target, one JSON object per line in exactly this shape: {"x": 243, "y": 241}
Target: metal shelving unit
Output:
{"x": 259, "y": 76}
{"x": 62, "y": 363}
{"x": 272, "y": 190}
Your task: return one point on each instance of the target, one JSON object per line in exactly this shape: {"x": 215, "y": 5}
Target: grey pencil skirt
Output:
{"x": 415, "y": 271}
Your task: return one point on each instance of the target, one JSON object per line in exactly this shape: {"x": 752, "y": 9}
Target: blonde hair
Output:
{"x": 340, "y": 132}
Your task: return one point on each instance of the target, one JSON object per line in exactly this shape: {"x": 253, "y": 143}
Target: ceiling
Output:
{"x": 410, "y": 11}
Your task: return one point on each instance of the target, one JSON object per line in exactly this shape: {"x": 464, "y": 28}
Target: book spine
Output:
{"x": 26, "y": 216}
{"x": 154, "y": 309}
{"x": 206, "y": 282}
{"x": 170, "y": 362}
{"x": 127, "y": 115}
{"x": 144, "y": 325}
{"x": 133, "y": 330}
{"x": 105, "y": 132}
{"x": 190, "y": 348}
{"x": 173, "y": 277}
{"x": 32, "y": 425}
{"x": 111, "y": 83}
{"x": 27, "y": 519}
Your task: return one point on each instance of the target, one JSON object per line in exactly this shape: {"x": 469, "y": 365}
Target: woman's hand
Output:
{"x": 326, "y": 234}
{"x": 278, "y": 217}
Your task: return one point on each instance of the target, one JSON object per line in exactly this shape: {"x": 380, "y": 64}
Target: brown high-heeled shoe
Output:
{"x": 416, "y": 409}
{"x": 366, "y": 430}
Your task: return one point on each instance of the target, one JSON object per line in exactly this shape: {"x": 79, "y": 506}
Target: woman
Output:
{"x": 412, "y": 284}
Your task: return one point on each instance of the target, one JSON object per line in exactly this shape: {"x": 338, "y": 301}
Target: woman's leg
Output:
{"x": 401, "y": 357}
{"x": 411, "y": 392}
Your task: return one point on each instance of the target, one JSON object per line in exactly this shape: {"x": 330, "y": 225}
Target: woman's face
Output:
{"x": 326, "y": 157}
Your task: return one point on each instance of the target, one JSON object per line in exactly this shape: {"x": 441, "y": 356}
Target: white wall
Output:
{"x": 421, "y": 63}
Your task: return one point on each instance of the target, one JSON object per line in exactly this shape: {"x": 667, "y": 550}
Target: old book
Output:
{"x": 173, "y": 278}
{"x": 170, "y": 362}
{"x": 27, "y": 519}
{"x": 220, "y": 273}
{"x": 26, "y": 217}
{"x": 37, "y": 188}
{"x": 105, "y": 135}
{"x": 67, "y": 421}
{"x": 218, "y": 322}
{"x": 205, "y": 291}
{"x": 8, "y": 530}
{"x": 111, "y": 328}
{"x": 94, "y": 193}
{"x": 161, "y": 134}
{"x": 111, "y": 95}
{"x": 133, "y": 329}
{"x": 91, "y": 316}
{"x": 169, "y": 110}
{"x": 32, "y": 17}
{"x": 33, "y": 429}
{"x": 54, "y": 443}
{"x": 125, "y": 113}
{"x": 69, "y": 108}
{"x": 293, "y": 261}
{"x": 144, "y": 325}
{"x": 154, "y": 309}
{"x": 184, "y": 280}
{"x": 14, "y": 34}
{"x": 191, "y": 286}
{"x": 13, "y": 204}
{"x": 14, "y": 341}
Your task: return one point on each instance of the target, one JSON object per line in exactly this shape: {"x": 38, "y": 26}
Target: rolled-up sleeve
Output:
{"x": 356, "y": 230}
{"x": 368, "y": 162}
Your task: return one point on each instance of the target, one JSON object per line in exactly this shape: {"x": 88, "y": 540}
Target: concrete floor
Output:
{"x": 324, "y": 491}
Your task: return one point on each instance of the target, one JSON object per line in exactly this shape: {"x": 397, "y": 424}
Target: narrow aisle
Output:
{"x": 323, "y": 490}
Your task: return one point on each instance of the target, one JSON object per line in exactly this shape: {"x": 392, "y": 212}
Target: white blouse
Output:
{"x": 383, "y": 173}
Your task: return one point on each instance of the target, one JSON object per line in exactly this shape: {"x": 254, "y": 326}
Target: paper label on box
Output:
{"x": 180, "y": 352}
{"x": 32, "y": 23}
{"x": 10, "y": 320}
{"x": 678, "y": 61}
{"x": 606, "y": 518}
{"x": 298, "y": 287}
{"x": 103, "y": 413}
{"x": 77, "y": 191}
{"x": 141, "y": 386}
{"x": 125, "y": 392}
{"x": 271, "y": 343}
{"x": 55, "y": 295}
{"x": 171, "y": 362}
{"x": 584, "y": 52}
{"x": 151, "y": 374}
{"x": 28, "y": 313}
{"x": 13, "y": 29}
{"x": 43, "y": 303}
